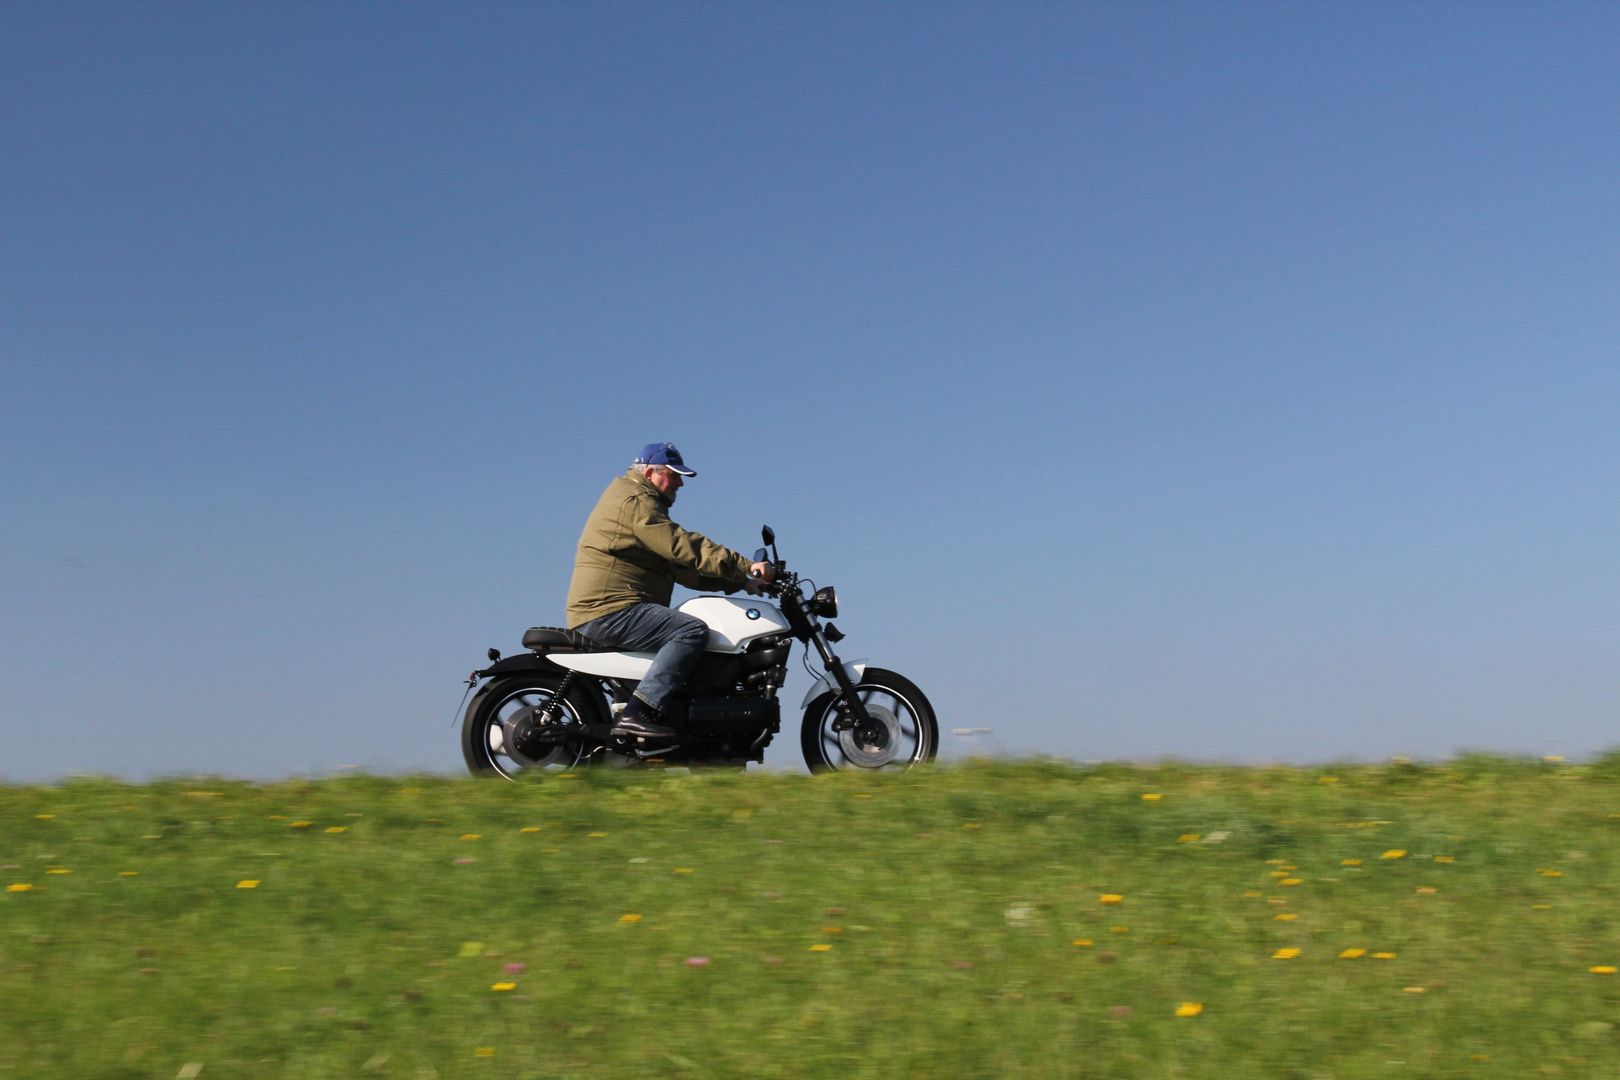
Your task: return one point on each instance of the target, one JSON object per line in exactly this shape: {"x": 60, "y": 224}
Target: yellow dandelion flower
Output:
{"x": 504, "y": 986}
{"x": 1187, "y": 838}
{"x": 1603, "y": 969}
{"x": 1445, "y": 858}
{"x": 1552, "y": 873}
{"x": 820, "y": 948}
{"x": 596, "y": 834}
{"x": 1540, "y": 907}
{"x": 1393, "y": 854}
{"x": 530, "y": 828}
{"x": 1189, "y": 1008}
{"x": 44, "y": 817}
{"x": 1111, "y": 898}
{"x": 1412, "y": 990}
{"x": 1352, "y": 954}
{"x": 18, "y": 888}
{"x": 1253, "y": 892}
{"x": 630, "y": 917}
{"x": 1119, "y": 929}
{"x": 973, "y": 826}
{"x": 683, "y": 869}
{"x": 1290, "y": 881}
{"x": 277, "y": 817}
{"x": 58, "y": 870}
{"x": 247, "y": 884}
{"x": 1084, "y": 943}
{"x": 1287, "y": 916}
{"x": 1383, "y": 956}
{"x": 1152, "y": 798}
{"x": 1479, "y": 1057}
{"x": 464, "y": 836}
{"x": 129, "y": 873}
{"x": 1350, "y": 862}
{"x": 483, "y": 1051}
{"x": 832, "y": 929}
{"x": 1424, "y": 890}
{"x": 863, "y": 796}
{"x": 1275, "y": 862}
{"x": 338, "y": 828}
{"x": 1285, "y": 954}
{"x": 298, "y": 824}
{"x": 1279, "y": 873}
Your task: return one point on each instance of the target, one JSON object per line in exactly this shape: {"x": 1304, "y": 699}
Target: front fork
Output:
{"x": 852, "y": 714}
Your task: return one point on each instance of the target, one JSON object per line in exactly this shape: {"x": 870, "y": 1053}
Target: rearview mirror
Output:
{"x": 761, "y": 555}
{"x": 768, "y": 534}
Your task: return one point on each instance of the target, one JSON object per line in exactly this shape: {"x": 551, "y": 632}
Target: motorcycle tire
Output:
{"x": 482, "y": 739}
{"x": 910, "y": 727}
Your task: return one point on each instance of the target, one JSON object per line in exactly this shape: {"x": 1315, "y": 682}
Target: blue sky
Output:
{"x": 1198, "y": 380}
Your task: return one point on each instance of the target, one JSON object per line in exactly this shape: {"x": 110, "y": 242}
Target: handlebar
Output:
{"x": 774, "y": 589}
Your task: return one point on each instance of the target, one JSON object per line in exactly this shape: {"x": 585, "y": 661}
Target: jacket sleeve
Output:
{"x": 699, "y": 583}
{"x": 694, "y": 556}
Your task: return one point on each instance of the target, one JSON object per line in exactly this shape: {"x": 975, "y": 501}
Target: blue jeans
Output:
{"x": 677, "y": 639}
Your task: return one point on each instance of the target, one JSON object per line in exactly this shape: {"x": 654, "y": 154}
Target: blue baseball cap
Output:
{"x": 662, "y": 453}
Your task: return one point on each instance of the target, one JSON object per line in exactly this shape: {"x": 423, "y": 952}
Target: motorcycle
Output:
{"x": 552, "y": 707}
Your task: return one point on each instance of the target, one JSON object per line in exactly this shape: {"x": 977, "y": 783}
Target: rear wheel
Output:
{"x": 495, "y": 732}
{"x": 904, "y": 732}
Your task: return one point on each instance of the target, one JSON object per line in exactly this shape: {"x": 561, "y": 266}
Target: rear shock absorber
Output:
{"x": 552, "y": 711}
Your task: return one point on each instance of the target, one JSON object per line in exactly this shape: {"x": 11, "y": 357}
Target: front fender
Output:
{"x": 853, "y": 668}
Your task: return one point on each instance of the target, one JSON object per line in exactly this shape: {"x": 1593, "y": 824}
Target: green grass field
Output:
{"x": 1388, "y": 921}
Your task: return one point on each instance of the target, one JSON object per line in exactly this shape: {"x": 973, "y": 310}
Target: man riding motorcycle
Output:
{"x": 631, "y": 556}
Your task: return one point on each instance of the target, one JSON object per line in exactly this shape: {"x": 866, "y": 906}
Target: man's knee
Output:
{"x": 692, "y": 631}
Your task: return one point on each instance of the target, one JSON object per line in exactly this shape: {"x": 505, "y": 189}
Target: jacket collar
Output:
{"x": 652, "y": 488}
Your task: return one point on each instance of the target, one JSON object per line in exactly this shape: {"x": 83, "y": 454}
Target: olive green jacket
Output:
{"x": 631, "y": 553}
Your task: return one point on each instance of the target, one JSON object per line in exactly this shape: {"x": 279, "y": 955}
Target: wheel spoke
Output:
{"x": 908, "y": 739}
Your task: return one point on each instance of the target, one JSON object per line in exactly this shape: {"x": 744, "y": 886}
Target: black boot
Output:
{"x": 638, "y": 720}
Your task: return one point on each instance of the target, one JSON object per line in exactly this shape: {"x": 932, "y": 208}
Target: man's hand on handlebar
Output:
{"x": 760, "y": 574}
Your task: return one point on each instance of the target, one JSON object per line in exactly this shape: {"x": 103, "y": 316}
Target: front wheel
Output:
{"x": 904, "y": 731}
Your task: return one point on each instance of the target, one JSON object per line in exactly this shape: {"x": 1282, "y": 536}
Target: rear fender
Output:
{"x": 524, "y": 661}
{"x": 589, "y": 691}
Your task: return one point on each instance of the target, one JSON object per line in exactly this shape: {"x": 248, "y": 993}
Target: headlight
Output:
{"x": 824, "y": 604}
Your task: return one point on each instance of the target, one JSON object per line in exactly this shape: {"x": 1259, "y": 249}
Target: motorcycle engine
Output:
{"x": 726, "y": 715}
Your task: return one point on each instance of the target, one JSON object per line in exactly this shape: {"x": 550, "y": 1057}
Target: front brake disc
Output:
{"x": 862, "y": 749}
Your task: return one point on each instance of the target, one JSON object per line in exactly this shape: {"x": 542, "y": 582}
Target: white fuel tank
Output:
{"x": 734, "y": 622}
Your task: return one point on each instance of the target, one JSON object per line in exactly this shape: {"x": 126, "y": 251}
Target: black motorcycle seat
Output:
{"x": 556, "y": 637}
